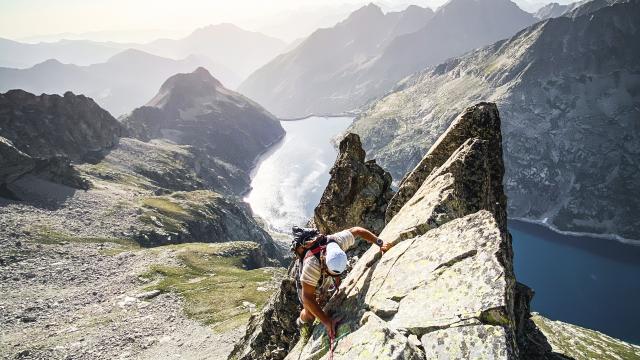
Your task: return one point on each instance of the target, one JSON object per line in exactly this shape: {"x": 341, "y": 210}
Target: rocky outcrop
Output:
{"x": 14, "y": 162}
{"x": 48, "y": 125}
{"x": 570, "y": 142}
{"x": 201, "y": 216}
{"x": 195, "y": 109}
{"x": 481, "y": 122}
{"x": 272, "y": 332}
{"x": 357, "y": 193}
{"x": 447, "y": 288}
{"x": 557, "y": 340}
{"x": 45, "y": 134}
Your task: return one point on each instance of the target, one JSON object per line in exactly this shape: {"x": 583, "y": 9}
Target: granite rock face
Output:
{"x": 357, "y": 194}
{"x": 195, "y": 109}
{"x": 481, "y": 122}
{"x": 571, "y": 140}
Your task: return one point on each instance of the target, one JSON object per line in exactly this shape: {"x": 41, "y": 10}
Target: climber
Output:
{"x": 322, "y": 261}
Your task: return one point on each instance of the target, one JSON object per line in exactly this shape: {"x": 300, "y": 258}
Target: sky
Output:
{"x": 138, "y": 20}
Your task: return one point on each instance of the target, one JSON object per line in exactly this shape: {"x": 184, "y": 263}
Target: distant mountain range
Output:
{"x": 126, "y": 80}
{"x": 239, "y": 50}
{"x": 320, "y": 74}
{"x": 568, "y": 90}
{"x": 340, "y": 68}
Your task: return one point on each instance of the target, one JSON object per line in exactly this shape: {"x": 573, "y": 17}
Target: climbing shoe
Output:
{"x": 305, "y": 330}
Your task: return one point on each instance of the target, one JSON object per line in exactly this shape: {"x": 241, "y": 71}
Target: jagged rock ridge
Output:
{"x": 567, "y": 90}
{"x": 45, "y": 133}
{"x": 442, "y": 234}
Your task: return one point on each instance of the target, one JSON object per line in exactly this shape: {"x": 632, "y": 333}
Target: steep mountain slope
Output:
{"x": 83, "y": 256}
{"x": 568, "y": 89}
{"x": 126, "y": 80}
{"x": 241, "y": 50}
{"x": 195, "y": 109}
{"x": 320, "y": 75}
{"x": 313, "y": 78}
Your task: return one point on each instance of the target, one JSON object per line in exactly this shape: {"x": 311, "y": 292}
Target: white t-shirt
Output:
{"x": 311, "y": 269}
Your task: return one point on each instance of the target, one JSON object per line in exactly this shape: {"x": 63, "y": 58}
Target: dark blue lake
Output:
{"x": 591, "y": 282}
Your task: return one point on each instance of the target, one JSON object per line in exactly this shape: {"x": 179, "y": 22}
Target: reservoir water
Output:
{"x": 582, "y": 280}
{"x": 289, "y": 181}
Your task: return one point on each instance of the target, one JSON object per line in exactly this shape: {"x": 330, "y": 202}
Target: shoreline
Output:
{"x": 345, "y": 114}
{"x": 258, "y": 159}
{"x": 607, "y": 237}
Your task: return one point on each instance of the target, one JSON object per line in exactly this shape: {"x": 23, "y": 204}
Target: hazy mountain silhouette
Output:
{"x": 241, "y": 50}
{"x": 321, "y": 74}
{"x": 554, "y": 10}
{"x": 126, "y": 80}
{"x": 361, "y": 58}
{"x": 80, "y": 52}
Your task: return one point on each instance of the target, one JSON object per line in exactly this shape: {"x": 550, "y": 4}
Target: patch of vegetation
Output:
{"x": 165, "y": 206}
{"x": 106, "y": 172}
{"x": 214, "y": 283}
{"x": 48, "y": 236}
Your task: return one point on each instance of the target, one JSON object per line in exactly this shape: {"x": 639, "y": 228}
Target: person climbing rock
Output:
{"x": 322, "y": 260}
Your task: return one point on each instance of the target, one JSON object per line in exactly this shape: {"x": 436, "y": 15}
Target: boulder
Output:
{"x": 13, "y": 162}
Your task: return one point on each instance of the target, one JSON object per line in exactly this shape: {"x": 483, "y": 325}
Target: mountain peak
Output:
{"x": 196, "y": 84}
{"x": 367, "y": 12}
{"x": 217, "y": 27}
{"x": 128, "y": 55}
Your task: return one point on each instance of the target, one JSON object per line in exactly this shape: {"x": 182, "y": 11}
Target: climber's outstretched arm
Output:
{"x": 369, "y": 237}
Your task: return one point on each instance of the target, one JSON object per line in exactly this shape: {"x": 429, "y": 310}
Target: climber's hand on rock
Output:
{"x": 385, "y": 247}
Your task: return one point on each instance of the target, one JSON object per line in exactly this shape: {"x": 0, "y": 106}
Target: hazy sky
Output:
{"x": 24, "y": 18}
